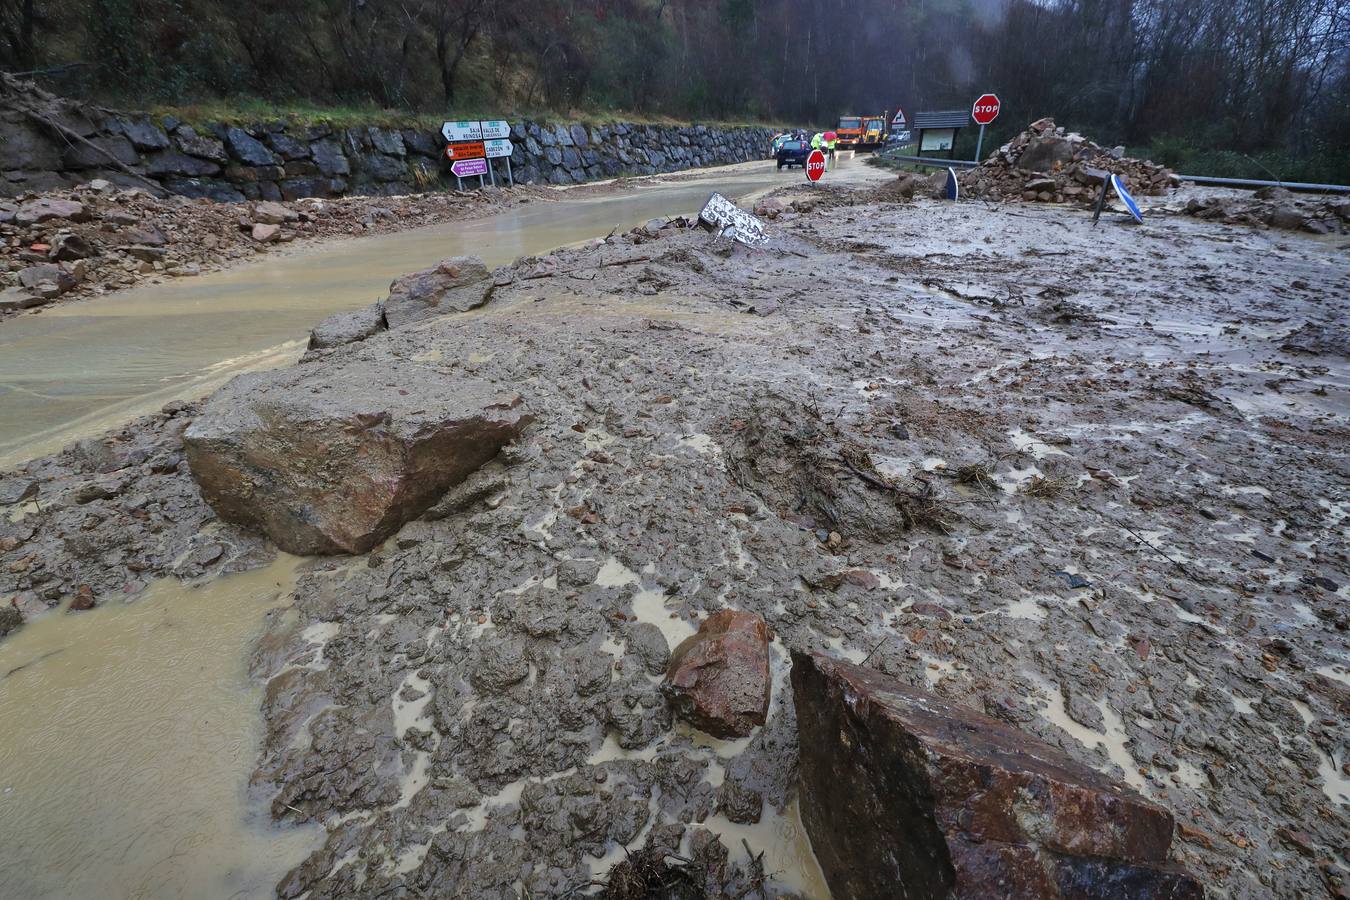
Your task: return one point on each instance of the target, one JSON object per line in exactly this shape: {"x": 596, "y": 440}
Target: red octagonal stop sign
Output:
{"x": 985, "y": 109}
{"x": 815, "y": 165}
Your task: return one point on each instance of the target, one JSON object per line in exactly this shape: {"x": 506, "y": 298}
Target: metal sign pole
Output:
{"x": 509, "y": 174}
{"x": 460, "y": 181}
{"x": 492, "y": 173}
{"x": 481, "y": 183}
{"x": 979, "y": 143}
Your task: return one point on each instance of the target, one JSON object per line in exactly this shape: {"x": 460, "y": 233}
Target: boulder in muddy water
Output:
{"x": 957, "y": 804}
{"x": 457, "y": 284}
{"x": 334, "y": 458}
{"x": 718, "y": 679}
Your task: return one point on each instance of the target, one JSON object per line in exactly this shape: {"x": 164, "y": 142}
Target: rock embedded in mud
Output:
{"x": 960, "y": 805}
{"x": 10, "y": 619}
{"x": 347, "y": 328}
{"x": 718, "y": 679}
{"x": 335, "y": 458}
{"x": 457, "y": 284}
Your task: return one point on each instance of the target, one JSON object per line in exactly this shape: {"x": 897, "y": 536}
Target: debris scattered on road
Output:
{"x": 730, "y": 221}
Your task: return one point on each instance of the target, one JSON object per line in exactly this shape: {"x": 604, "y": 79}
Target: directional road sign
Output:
{"x": 465, "y": 150}
{"x": 498, "y": 148}
{"x": 462, "y": 131}
{"x": 463, "y": 168}
{"x": 496, "y": 128}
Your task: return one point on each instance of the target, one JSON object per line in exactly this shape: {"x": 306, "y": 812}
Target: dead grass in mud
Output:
{"x": 1047, "y": 487}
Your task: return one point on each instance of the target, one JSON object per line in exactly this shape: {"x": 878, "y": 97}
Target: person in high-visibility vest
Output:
{"x": 816, "y": 140}
{"x": 829, "y": 148}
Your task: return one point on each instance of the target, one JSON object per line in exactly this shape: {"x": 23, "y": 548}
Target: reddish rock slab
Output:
{"x": 334, "y": 458}
{"x": 718, "y": 679}
{"x": 905, "y": 794}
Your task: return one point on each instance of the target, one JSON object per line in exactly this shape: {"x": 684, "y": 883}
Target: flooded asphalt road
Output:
{"x": 82, "y": 368}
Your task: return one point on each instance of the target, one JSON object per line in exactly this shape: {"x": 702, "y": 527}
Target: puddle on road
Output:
{"x": 85, "y": 367}
{"x": 128, "y": 736}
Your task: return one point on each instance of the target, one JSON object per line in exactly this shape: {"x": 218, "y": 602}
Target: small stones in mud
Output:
{"x": 718, "y": 679}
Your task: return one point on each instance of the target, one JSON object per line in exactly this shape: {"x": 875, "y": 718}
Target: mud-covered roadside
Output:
{"x": 1091, "y": 482}
{"x": 98, "y": 238}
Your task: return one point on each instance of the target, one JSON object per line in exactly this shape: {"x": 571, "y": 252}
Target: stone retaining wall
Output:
{"x": 286, "y": 161}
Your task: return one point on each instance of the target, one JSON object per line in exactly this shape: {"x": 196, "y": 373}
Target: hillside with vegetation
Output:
{"x": 1242, "y": 86}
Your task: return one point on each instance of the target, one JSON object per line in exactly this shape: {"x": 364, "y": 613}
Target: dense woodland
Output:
{"x": 1238, "y": 85}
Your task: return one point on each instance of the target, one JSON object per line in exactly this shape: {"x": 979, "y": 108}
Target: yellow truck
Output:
{"x": 873, "y": 132}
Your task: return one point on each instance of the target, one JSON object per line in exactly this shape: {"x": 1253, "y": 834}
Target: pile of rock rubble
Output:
{"x": 1050, "y": 164}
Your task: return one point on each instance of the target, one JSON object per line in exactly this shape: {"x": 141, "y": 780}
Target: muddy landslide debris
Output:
{"x": 1275, "y": 207}
{"x": 956, "y": 804}
{"x": 718, "y": 679}
{"x": 476, "y": 704}
{"x": 335, "y": 459}
{"x": 1047, "y": 163}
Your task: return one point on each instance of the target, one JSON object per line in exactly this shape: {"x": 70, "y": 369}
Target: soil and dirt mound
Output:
{"x": 1050, "y": 164}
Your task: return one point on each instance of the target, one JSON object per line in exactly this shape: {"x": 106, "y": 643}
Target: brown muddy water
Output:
{"x": 128, "y": 735}
{"x": 86, "y": 367}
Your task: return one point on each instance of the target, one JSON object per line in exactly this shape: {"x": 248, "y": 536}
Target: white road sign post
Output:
{"x": 462, "y": 131}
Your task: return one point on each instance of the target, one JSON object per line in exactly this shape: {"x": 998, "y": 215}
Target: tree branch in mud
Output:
{"x": 921, "y": 508}
{"x": 71, "y": 136}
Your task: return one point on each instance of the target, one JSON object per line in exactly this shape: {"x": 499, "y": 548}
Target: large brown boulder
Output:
{"x": 335, "y": 458}
{"x": 905, "y": 794}
{"x": 718, "y": 679}
{"x": 457, "y": 284}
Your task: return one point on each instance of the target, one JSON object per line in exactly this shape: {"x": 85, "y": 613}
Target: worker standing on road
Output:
{"x": 829, "y": 144}
{"x": 817, "y": 140}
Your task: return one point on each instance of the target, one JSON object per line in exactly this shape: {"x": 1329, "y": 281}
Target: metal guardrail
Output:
{"x": 1198, "y": 179}
{"x": 1253, "y": 183}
